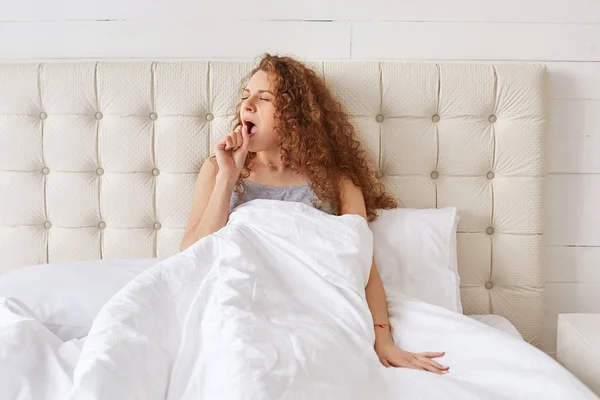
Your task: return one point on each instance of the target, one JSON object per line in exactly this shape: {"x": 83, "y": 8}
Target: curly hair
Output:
{"x": 328, "y": 149}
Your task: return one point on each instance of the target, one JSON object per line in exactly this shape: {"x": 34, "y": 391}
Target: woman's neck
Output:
{"x": 269, "y": 170}
{"x": 271, "y": 160}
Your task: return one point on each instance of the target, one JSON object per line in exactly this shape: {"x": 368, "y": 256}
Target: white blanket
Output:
{"x": 270, "y": 307}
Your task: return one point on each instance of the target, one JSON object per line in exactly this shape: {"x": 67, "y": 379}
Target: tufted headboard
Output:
{"x": 98, "y": 160}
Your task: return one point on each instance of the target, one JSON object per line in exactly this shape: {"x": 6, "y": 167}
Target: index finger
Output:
{"x": 245, "y": 136}
{"x": 432, "y": 355}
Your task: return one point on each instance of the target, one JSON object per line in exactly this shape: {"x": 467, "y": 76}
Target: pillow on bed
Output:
{"x": 415, "y": 252}
{"x": 66, "y": 297}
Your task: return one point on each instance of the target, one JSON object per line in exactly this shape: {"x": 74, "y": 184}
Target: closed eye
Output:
{"x": 260, "y": 98}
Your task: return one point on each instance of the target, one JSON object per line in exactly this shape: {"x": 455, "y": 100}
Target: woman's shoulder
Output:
{"x": 348, "y": 187}
{"x": 352, "y": 200}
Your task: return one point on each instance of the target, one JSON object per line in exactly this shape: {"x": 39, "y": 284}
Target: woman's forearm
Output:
{"x": 377, "y": 302}
{"x": 215, "y": 215}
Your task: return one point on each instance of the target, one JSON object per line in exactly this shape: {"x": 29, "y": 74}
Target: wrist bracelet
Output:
{"x": 383, "y": 326}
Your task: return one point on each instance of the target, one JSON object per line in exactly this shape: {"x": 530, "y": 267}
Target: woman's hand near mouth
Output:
{"x": 231, "y": 152}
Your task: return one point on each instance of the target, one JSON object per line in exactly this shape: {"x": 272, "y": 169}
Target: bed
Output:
{"x": 98, "y": 161}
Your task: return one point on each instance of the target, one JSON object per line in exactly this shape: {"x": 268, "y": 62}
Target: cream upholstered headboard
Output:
{"x": 98, "y": 160}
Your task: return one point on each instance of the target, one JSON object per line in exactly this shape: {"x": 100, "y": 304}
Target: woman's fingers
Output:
{"x": 432, "y": 362}
{"x": 418, "y": 361}
{"x": 432, "y": 354}
{"x": 220, "y": 145}
{"x": 240, "y": 132}
{"x": 234, "y": 140}
{"x": 244, "y": 133}
{"x": 228, "y": 143}
{"x": 236, "y": 136}
{"x": 438, "y": 365}
{"x": 431, "y": 366}
{"x": 427, "y": 357}
{"x": 428, "y": 367}
{"x": 238, "y": 151}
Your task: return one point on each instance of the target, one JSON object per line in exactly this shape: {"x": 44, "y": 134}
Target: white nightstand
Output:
{"x": 578, "y": 347}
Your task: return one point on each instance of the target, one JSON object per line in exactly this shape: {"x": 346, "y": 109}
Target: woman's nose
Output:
{"x": 250, "y": 107}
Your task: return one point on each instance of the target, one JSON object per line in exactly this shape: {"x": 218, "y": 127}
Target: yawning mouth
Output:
{"x": 252, "y": 128}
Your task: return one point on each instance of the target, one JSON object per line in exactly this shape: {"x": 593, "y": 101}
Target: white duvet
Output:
{"x": 270, "y": 307}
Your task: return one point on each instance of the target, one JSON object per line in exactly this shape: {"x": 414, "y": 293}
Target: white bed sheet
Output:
{"x": 494, "y": 321}
{"x": 498, "y": 322}
{"x": 248, "y": 313}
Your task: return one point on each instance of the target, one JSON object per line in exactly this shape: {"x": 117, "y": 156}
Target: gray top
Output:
{"x": 298, "y": 193}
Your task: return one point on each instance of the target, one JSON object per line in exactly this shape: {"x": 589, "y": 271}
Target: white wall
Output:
{"x": 565, "y": 34}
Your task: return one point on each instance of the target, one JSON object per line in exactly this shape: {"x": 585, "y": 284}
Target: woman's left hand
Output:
{"x": 392, "y": 356}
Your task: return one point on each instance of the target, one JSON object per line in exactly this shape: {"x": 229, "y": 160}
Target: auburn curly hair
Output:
{"x": 328, "y": 148}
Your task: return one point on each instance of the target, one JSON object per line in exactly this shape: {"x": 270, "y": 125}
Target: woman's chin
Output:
{"x": 254, "y": 148}
{"x": 257, "y": 144}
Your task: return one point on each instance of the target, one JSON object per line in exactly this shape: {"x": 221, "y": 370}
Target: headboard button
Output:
{"x": 156, "y": 172}
{"x": 434, "y": 175}
{"x": 489, "y": 285}
{"x": 379, "y": 174}
{"x": 99, "y": 115}
{"x": 435, "y": 118}
{"x": 100, "y": 171}
{"x": 45, "y": 170}
{"x": 489, "y": 230}
{"x": 101, "y": 225}
{"x": 47, "y": 224}
{"x": 379, "y": 118}
{"x": 153, "y": 116}
{"x": 210, "y": 117}
{"x": 43, "y": 115}
{"x": 492, "y": 118}
{"x": 490, "y": 175}
{"x": 157, "y": 226}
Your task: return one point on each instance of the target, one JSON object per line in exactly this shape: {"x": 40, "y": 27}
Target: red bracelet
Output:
{"x": 383, "y": 326}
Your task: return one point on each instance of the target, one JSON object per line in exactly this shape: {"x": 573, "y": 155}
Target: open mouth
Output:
{"x": 252, "y": 128}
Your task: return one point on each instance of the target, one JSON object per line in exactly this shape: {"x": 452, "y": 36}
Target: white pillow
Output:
{"x": 415, "y": 253}
{"x": 66, "y": 297}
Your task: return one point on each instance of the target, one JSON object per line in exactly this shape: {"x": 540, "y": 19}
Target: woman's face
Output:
{"x": 257, "y": 112}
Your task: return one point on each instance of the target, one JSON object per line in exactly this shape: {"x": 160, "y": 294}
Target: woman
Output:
{"x": 294, "y": 142}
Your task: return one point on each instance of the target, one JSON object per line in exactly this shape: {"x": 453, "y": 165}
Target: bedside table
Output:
{"x": 578, "y": 347}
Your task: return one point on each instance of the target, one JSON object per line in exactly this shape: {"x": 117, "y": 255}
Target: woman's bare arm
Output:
{"x": 353, "y": 203}
{"x": 214, "y": 187}
{"x": 390, "y": 356}
{"x": 210, "y": 204}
